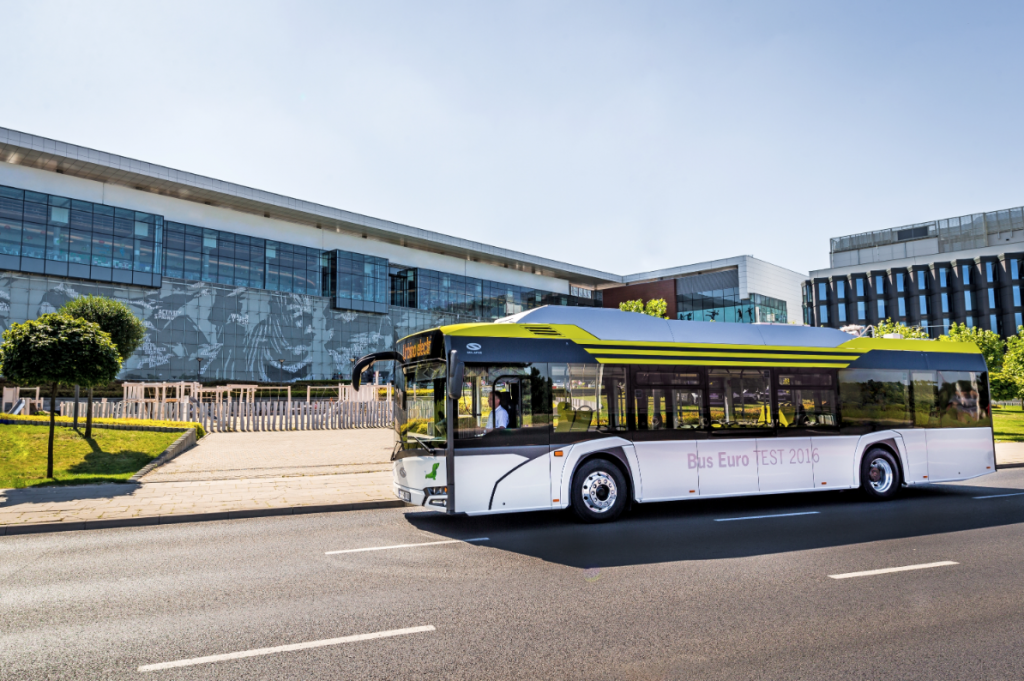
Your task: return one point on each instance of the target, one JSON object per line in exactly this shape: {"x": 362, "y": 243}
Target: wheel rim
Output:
{"x": 599, "y": 492}
{"x": 880, "y": 475}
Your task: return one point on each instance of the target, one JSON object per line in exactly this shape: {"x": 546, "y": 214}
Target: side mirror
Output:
{"x": 456, "y": 372}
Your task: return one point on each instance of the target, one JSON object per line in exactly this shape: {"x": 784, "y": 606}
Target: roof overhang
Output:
{"x": 69, "y": 159}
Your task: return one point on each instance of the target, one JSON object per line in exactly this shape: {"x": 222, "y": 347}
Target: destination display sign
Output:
{"x": 422, "y": 346}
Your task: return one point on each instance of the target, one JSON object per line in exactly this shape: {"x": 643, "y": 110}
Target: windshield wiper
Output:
{"x": 421, "y": 443}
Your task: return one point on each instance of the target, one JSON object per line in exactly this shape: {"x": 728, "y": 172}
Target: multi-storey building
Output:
{"x": 956, "y": 270}
{"x": 240, "y": 284}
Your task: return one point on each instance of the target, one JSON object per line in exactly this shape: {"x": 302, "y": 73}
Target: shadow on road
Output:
{"x": 687, "y": 530}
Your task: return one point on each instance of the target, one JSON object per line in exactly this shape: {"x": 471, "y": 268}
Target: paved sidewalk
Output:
{"x": 229, "y": 456}
{"x": 1010, "y": 454}
{"x": 120, "y": 501}
{"x": 227, "y": 473}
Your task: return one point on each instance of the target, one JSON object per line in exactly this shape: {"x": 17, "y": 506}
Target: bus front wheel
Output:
{"x": 879, "y": 474}
{"x": 599, "y": 491}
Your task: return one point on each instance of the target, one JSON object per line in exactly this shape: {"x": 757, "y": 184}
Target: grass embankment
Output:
{"x": 1008, "y": 423}
{"x": 109, "y": 456}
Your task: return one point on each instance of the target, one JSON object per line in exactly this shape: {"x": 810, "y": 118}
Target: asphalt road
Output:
{"x": 669, "y": 592}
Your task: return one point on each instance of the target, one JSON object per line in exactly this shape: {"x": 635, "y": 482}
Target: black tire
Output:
{"x": 880, "y": 474}
{"x": 599, "y": 491}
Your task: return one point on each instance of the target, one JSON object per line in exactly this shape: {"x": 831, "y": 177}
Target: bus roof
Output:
{"x": 609, "y": 324}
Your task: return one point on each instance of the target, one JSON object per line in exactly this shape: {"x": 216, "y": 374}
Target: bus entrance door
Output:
{"x": 666, "y": 422}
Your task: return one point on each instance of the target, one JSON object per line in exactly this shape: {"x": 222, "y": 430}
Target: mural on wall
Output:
{"x": 203, "y": 331}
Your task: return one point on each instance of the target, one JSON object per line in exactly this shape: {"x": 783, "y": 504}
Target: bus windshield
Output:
{"x": 420, "y": 407}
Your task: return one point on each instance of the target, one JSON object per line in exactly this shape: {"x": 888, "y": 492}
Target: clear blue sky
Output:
{"x": 624, "y": 136}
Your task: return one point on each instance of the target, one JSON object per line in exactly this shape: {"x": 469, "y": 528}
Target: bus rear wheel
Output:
{"x": 879, "y": 474}
{"x": 599, "y": 492}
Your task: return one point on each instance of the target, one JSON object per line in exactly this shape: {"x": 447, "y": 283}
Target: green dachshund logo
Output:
{"x": 432, "y": 475}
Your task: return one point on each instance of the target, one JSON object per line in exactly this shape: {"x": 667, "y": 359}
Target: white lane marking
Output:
{"x": 758, "y": 517}
{"x": 868, "y": 573}
{"x": 284, "y": 649}
{"x": 406, "y": 546}
{"x": 996, "y": 496}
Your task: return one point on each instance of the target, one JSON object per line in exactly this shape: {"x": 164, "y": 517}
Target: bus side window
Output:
{"x": 806, "y": 400}
{"x": 667, "y": 398}
{"x": 588, "y": 400}
{"x": 874, "y": 399}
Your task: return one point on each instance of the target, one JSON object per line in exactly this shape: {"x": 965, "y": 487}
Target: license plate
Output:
{"x": 405, "y": 496}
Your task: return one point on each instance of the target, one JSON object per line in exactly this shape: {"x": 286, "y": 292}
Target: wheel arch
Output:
{"x": 614, "y": 455}
{"x": 889, "y": 445}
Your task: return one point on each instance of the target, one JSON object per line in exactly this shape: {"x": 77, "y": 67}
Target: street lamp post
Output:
{"x": 199, "y": 374}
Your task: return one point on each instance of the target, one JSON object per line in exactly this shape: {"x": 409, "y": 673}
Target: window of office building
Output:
{"x": 993, "y": 323}
{"x": 945, "y": 303}
{"x": 943, "y": 277}
{"x": 823, "y": 313}
{"x": 881, "y": 309}
{"x": 902, "y": 305}
{"x": 1015, "y": 269}
{"x": 358, "y": 282}
{"x": 842, "y": 313}
{"x": 434, "y": 291}
{"x": 922, "y": 303}
{"x": 899, "y": 282}
{"x": 1018, "y": 319}
{"x": 921, "y": 280}
{"x": 990, "y": 272}
{"x": 991, "y": 297}
{"x": 945, "y": 325}
{"x": 48, "y": 234}
{"x": 860, "y": 288}
{"x": 1016, "y": 296}
{"x": 968, "y": 303}
{"x": 879, "y": 284}
{"x": 220, "y": 257}
{"x": 822, "y": 291}
{"x": 969, "y": 321}
{"x": 966, "y": 275}
{"x": 840, "y": 289}
{"x": 860, "y": 310}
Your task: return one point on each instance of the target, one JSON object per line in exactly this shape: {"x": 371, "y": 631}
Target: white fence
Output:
{"x": 249, "y": 416}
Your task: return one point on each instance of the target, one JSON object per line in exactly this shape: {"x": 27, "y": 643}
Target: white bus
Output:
{"x": 607, "y": 408}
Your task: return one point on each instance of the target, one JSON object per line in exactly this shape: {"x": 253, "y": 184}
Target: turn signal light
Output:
{"x": 824, "y": 483}
{"x": 559, "y": 452}
{"x": 555, "y": 501}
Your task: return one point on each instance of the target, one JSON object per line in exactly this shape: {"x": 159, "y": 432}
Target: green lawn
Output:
{"x": 1008, "y": 422}
{"x": 110, "y": 456}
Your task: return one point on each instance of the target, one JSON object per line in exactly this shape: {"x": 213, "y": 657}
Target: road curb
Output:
{"x": 40, "y": 528}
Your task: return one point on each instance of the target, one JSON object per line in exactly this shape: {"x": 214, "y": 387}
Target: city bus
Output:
{"x": 603, "y": 409}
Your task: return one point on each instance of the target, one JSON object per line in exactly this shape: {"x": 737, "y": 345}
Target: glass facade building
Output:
{"x": 433, "y": 291}
{"x": 47, "y": 234}
{"x": 358, "y": 282}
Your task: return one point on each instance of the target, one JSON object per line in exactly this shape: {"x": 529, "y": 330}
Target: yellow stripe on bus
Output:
{"x": 735, "y": 363}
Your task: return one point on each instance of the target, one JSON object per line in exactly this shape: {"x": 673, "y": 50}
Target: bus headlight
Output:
{"x": 436, "y": 491}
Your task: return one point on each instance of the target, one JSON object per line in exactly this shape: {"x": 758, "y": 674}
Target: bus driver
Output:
{"x": 499, "y": 417}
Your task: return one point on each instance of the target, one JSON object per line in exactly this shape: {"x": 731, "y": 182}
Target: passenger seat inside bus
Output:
{"x": 573, "y": 420}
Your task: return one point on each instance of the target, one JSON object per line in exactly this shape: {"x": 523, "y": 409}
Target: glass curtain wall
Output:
{"x": 218, "y": 257}
{"x": 46, "y": 234}
{"x": 725, "y": 305}
{"x": 433, "y": 291}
